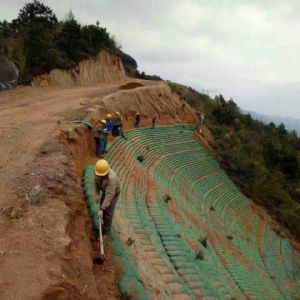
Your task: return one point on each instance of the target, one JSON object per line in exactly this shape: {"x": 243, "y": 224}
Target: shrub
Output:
{"x": 140, "y": 158}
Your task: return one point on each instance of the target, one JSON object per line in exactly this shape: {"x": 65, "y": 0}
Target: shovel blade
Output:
{"x": 99, "y": 260}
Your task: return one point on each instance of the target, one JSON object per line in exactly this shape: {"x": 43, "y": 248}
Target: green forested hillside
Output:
{"x": 263, "y": 160}
{"x": 37, "y": 42}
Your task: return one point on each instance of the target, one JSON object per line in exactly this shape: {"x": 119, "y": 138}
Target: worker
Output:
{"x": 154, "y": 121}
{"x": 107, "y": 185}
{"x": 202, "y": 119}
{"x": 116, "y": 124}
{"x": 120, "y": 128}
{"x": 109, "y": 123}
{"x": 137, "y": 120}
{"x": 197, "y": 128}
{"x": 100, "y": 134}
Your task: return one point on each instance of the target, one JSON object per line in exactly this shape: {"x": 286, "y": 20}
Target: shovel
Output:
{"x": 101, "y": 258}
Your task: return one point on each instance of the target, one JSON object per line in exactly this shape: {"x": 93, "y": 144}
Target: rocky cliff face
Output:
{"x": 8, "y": 73}
{"x": 106, "y": 67}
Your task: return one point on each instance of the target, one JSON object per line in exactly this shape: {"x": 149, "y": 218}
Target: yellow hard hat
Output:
{"x": 101, "y": 167}
{"x": 108, "y": 116}
{"x": 103, "y": 122}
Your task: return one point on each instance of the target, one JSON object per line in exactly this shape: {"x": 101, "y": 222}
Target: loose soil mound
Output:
{"x": 130, "y": 85}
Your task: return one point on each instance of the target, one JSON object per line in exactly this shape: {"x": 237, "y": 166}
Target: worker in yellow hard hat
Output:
{"x": 109, "y": 123}
{"x": 137, "y": 120}
{"x": 100, "y": 134}
{"x": 107, "y": 185}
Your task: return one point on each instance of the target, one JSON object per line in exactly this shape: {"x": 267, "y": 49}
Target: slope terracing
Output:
{"x": 186, "y": 229}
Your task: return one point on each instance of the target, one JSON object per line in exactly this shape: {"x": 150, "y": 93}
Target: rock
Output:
{"x": 72, "y": 135}
{"x": 37, "y": 195}
{"x": 8, "y": 73}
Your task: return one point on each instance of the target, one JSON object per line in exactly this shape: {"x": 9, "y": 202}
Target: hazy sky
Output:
{"x": 247, "y": 50}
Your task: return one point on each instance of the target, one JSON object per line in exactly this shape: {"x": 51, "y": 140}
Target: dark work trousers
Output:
{"x": 99, "y": 146}
{"x": 115, "y": 130}
{"x": 108, "y": 213}
{"x": 153, "y": 122}
{"x": 137, "y": 122}
{"x": 121, "y": 133}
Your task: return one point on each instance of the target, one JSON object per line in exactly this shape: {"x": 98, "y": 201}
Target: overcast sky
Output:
{"x": 245, "y": 49}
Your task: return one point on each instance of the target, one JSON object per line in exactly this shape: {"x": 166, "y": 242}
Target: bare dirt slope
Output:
{"x": 45, "y": 232}
{"x": 106, "y": 67}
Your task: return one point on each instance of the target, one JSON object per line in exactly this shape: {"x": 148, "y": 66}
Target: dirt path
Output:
{"x": 27, "y": 118}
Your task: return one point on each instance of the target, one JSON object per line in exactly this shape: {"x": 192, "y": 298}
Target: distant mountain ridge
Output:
{"x": 289, "y": 123}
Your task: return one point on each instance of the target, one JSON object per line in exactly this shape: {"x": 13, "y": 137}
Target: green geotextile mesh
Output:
{"x": 84, "y": 122}
{"x": 108, "y": 146}
{"x": 233, "y": 254}
{"x": 128, "y": 282}
{"x": 89, "y": 195}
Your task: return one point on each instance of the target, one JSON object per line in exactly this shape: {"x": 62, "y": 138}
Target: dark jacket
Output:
{"x": 117, "y": 121}
{"x": 100, "y": 132}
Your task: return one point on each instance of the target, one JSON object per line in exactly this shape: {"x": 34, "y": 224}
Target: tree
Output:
{"x": 39, "y": 50}
{"x": 281, "y": 129}
{"x": 36, "y": 11}
{"x": 95, "y": 39}
{"x": 71, "y": 41}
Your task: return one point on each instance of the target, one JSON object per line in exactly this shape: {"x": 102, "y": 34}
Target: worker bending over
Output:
{"x": 107, "y": 185}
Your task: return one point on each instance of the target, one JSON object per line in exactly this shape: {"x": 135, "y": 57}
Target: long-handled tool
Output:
{"x": 100, "y": 235}
{"x": 101, "y": 258}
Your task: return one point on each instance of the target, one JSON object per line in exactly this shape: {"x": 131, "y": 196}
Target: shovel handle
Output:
{"x": 100, "y": 236}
